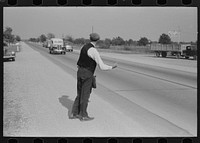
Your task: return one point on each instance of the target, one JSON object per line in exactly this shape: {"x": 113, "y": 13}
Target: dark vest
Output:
{"x": 84, "y": 60}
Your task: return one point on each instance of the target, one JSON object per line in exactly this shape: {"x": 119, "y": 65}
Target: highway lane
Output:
{"x": 163, "y": 93}
{"x": 163, "y": 73}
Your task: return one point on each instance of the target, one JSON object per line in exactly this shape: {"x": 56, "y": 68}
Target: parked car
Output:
{"x": 8, "y": 54}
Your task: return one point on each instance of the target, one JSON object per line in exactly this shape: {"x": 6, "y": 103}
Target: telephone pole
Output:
{"x": 92, "y": 29}
{"x": 179, "y": 34}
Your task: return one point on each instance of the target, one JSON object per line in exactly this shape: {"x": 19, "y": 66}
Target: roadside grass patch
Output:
{"x": 125, "y": 49}
{"x": 132, "y": 49}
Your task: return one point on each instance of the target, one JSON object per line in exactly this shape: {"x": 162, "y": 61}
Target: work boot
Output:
{"x": 72, "y": 116}
{"x": 87, "y": 118}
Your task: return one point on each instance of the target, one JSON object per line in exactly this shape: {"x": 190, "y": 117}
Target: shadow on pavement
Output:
{"x": 67, "y": 103}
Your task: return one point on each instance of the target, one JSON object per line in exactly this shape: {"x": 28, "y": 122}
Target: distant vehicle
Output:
{"x": 190, "y": 51}
{"x": 8, "y": 54}
{"x": 45, "y": 44}
{"x": 178, "y": 50}
{"x": 56, "y": 46}
{"x": 18, "y": 46}
{"x": 68, "y": 47}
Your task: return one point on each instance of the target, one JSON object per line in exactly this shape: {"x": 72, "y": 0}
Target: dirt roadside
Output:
{"x": 38, "y": 96}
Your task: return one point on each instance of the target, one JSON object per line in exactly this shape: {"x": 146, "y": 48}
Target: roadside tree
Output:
{"x": 143, "y": 41}
{"x": 17, "y": 38}
{"x": 165, "y": 39}
{"x": 102, "y": 45}
{"x": 7, "y": 35}
{"x": 50, "y": 35}
{"x": 34, "y": 39}
{"x": 42, "y": 38}
{"x": 79, "y": 41}
{"x": 68, "y": 38}
{"x": 118, "y": 41}
{"x": 108, "y": 41}
{"x": 130, "y": 42}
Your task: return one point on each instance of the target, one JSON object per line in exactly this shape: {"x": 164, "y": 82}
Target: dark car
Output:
{"x": 190, "y": 51}
{"x": 8, "y": 54}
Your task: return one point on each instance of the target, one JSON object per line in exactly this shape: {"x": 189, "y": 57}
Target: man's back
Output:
{"x": 84, "y": 60}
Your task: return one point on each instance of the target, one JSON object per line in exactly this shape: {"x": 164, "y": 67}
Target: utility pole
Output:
{"x": 92, "y": 29}
{"x": 179, "y": 34}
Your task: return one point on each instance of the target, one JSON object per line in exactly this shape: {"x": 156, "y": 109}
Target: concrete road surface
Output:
{"x": 144, "y": 96}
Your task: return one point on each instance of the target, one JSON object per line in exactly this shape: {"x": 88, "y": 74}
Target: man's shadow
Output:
{"x": 67, "y": 103}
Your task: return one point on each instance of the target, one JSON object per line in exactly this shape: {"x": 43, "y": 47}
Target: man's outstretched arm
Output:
{"x": 94, "y": 54}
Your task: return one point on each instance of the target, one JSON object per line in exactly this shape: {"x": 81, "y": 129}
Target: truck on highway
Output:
{"x": 56, "y": 45}
{"x": 178, "y": 50}
{"x": 47, "y": 43}
{"x": 44, "y": 44}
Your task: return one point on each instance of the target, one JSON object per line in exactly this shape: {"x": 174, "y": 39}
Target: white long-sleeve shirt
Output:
{"x": 94, "y": 54}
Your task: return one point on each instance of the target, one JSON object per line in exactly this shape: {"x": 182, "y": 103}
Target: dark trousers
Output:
{"x": 84, "y": 88}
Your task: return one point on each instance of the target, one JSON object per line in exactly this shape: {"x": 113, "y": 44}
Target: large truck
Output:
{"x": 178, "y": 50}
{"x": 56, "y": 45}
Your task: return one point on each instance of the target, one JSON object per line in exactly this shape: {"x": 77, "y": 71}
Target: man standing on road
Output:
{"x": 88, "y": 59}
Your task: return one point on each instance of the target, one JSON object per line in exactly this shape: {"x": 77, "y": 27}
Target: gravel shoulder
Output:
{"x": 38, "y": 96}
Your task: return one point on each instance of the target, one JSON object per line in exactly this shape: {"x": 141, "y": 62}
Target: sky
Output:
{"x": 109, "y": 22}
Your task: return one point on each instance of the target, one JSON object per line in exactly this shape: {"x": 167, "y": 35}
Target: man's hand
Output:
{"x": 115, "y": 65}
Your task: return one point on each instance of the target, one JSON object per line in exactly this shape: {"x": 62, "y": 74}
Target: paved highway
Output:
{"x": 161, "y": 98}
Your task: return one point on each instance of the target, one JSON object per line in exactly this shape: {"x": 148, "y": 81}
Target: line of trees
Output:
{"x": 9, "y": 37}
{"x": 103, "y": 43}
{"x": 42, "y": 38}
{"x": 106, "y": 43}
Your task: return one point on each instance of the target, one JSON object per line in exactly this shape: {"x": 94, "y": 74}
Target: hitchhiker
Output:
{"x": 88, "y": 59}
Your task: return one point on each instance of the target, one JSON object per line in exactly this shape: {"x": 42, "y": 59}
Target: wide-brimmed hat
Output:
{"x": 94, "y": 37}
